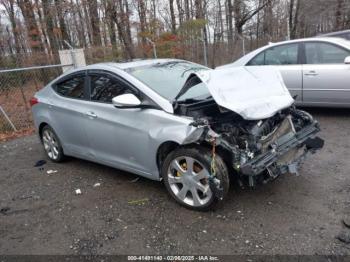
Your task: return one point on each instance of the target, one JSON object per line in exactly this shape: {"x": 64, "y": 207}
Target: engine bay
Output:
{"x": 245, "y": 140}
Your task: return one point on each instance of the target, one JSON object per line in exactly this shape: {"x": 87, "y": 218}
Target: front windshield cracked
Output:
{"x": 168, "y": 78}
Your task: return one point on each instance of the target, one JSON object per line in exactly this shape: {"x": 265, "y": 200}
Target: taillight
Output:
{"x": 33, "y": 101}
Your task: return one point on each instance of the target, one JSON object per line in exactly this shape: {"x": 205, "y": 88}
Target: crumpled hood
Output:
{"x": 253, "y": 92}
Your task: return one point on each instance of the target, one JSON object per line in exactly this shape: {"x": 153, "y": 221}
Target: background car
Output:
{"x": 315, "y": 70}
{"x": 340, "y": 34}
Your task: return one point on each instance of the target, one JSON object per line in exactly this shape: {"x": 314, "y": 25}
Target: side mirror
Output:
{"x": 126, "y": 101}
{"x": 347, "y": 60}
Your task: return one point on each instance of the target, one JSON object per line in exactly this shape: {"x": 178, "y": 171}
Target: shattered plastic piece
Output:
{"x": 40, "y": 163}
{"x": 51, "y": 171}
{"x": 4, "y": 210}
{"x": 344, "y": 237}
{"x": 78, "y": 191}
{"x": 346, "y": 222}
{"x": 135, "y": 180}
{"x": 97, "y": 184}
{"x": 138, "y": 202}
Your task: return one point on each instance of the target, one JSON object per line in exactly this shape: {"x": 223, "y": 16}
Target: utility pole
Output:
{"x": 154, "y": 47}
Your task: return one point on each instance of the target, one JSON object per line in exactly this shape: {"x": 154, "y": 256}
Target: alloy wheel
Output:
{"x": 188, "y": 180}
{"x": 50, "y": 144}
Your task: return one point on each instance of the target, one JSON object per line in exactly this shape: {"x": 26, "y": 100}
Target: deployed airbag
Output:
{"x": 253, "y": 92}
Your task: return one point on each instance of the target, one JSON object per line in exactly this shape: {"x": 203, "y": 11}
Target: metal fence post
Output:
{"x": 8, "y": 119}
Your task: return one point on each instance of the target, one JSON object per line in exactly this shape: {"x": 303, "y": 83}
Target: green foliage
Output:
{"x": 168, "y": 45}
{"x": 192, "y": 29}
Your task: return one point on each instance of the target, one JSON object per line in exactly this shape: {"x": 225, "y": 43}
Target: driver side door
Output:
{"x": 118, "y": 136}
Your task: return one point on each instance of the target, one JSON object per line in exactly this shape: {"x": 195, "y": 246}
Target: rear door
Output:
{"x": 68, "y": 106}
{"x": 326, "y": 77}
{"x": 286, "y": 58}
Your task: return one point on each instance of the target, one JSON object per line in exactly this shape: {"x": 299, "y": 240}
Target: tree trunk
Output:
{"x": 31, "y": 25}
{"x": 229, "y": 23}
{"x": 187, "y": 10}
{"x": 111, "y": 28}
{"x": 181, "y": 11}
{"x": 63, "y": 28}
{"x": 9, "y": 6}
{"x": 143, "y": 24}
{"x": 172, "y": 16}
{"x": 48, "y": 18}
{"x": 121, "y": 19}
{"x": 95, "y": 22}
{"x": 339, "y": 15}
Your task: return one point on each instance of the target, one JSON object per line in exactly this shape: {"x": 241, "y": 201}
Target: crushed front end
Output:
{"x": 260, "y": 151}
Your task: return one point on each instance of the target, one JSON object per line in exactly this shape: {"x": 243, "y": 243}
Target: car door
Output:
{"x": 286, "y": 58}
{"x": 118, "y": 136}
{"x": 68, "y": 105}
{"x": 326, "y": 78}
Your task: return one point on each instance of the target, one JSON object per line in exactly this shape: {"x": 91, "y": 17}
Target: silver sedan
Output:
{"x": 176, "y": 121}
{"x": 315, "y": 70}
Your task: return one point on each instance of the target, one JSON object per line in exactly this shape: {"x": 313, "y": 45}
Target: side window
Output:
{"x": 104, "y": 88}
{"x": 258, "y": 60}
{"x": 282, "y": 55}
{"x": 73, "y": 87}
{"x": 323, "y": 53}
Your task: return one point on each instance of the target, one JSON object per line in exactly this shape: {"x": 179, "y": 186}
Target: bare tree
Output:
{"x": 31, "y": 24}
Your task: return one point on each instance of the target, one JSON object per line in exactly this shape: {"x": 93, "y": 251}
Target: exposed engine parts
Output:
{"x": 257, "y": 150}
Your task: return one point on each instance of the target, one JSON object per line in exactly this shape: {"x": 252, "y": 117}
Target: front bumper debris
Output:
{"x": 303, "y": 141}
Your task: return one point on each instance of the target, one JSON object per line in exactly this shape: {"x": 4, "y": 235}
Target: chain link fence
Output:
{"x": 17, "y": 86}
{"x": 22, "y": 75}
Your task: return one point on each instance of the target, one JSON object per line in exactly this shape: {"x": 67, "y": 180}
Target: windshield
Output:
{"x": 168, "y": 78}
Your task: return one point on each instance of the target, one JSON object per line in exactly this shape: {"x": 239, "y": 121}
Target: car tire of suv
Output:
{"x": 52, "y": 144}
{"x": 201, "y": 158}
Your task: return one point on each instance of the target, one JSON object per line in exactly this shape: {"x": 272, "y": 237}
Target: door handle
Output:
{"x": 91, "y": 114}
{"x": 311, "y": 73}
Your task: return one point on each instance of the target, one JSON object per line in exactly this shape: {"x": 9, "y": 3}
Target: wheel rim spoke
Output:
{"x": 176, "y": 165}
{"x": 175, "y": 180}
{"x": 183, "y": 192}
{"x": 195, "y": 197}
{"x": 54, "y": 151}
{"x": 203, "y": 188}
{"x": 189, "y": 164}
{"x": 201, "y": 174}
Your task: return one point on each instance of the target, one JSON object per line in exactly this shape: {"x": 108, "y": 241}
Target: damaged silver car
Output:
{"x": 175, "y": 121}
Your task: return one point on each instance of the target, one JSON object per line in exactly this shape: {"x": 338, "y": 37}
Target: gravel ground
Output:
{"x": 41, "y": 214}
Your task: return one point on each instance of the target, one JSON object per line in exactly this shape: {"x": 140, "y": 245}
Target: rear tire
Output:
{"x": 185, "y": 173}
{"x": 52, "y": 144}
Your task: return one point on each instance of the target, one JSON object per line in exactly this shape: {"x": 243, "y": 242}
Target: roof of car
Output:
{"x": 122, "y": 65}
{"x": 139, "y": 62}
{"x": 336, "y": 33}
{"x": 334, "y": 40}
{"x": 245, "y": 59}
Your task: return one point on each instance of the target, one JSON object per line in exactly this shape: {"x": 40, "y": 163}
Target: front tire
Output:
{"x": 52, "y": 144}
{"x": 186, "y": 172}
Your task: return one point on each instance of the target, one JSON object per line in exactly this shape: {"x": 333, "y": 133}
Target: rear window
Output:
{"x": 72, "y": 87}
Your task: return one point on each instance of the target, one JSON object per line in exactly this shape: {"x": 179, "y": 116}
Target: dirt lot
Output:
{"x": 41, "y": 214}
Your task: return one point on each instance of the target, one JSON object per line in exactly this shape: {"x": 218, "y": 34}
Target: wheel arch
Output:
{"x": 163, "y": 150}
{"x": 41, "y": 127}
